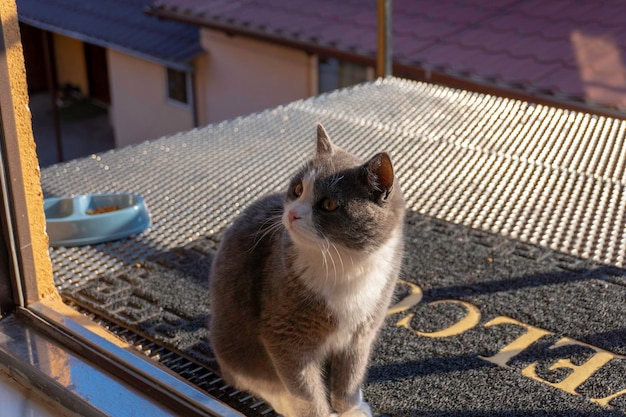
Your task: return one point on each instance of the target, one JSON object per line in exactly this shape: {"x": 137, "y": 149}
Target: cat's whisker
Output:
{"x": 335, "y": 180}
{"x": 324, "y": 251}
{"x": 328, "y": 244}
{"x": 270, "y": 226}
{"x": 271, "y": 223}
{"x": 270, "y": 219}
{"x": 276, "y": 228}
{"x": 343, "y": 269}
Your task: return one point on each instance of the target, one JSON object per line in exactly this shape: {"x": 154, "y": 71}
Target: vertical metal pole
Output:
{"x": 384, "y": 55}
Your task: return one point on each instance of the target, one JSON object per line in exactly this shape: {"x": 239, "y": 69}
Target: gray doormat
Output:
{"x": 502, "y": 328}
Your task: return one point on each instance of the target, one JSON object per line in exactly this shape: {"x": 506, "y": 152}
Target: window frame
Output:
{"x": 31, "y": 303}
{"x": 7, "y": 253}
{"x": 335, "y": 73}
{"x": 188, "y": 87}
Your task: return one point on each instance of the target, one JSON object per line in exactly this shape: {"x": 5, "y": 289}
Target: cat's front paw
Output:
{"x": 359, "y": 410}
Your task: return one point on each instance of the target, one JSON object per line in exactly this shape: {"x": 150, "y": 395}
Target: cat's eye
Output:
{"x": 328, "y": 204}
{"x": 298, "y": 189}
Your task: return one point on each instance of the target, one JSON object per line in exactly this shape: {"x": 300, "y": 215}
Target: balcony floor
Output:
{"x": 516, "y": 212}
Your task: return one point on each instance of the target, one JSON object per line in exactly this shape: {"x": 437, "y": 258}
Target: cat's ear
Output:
{"x": 379, "y": 174}
{"x": 324, "y": 145}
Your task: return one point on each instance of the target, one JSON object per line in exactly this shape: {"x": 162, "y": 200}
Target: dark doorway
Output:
{"x": 34, "y": 58}
{"x": 97, "y": 73}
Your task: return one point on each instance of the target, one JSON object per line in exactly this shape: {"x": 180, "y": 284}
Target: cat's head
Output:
{"x": 337, "y": 198}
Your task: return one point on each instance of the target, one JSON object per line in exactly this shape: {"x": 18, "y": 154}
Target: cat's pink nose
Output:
{"x": 292, "y": 216}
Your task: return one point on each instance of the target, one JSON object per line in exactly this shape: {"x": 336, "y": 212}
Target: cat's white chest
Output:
{"x": 351, "y": 285}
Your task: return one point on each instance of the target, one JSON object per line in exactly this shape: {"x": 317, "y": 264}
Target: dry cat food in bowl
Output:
{"x": 94, "y": 218}
{"x": 105, "y": 209}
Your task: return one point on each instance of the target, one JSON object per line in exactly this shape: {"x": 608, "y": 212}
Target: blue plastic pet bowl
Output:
{"x": 94, "y": 218}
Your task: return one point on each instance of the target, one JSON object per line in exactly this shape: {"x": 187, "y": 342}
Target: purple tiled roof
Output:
{"x": 118, "y": 24}
{"x": 570, "y": 49}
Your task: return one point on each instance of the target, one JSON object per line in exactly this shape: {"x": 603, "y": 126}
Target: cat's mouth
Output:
{"x": 299, "y": 233}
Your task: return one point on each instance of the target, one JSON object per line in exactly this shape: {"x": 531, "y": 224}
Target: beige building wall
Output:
{"x": 140, "y": 108}
{"x": 241, "y": 76}
{"x": 70, "y": 62}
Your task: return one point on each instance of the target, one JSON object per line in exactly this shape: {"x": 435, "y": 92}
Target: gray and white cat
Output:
{"x": 301, "y": 284}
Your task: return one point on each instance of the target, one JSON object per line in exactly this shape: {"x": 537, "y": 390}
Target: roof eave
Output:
{"x": 178, "y": 65}
{"x": 308, "y": 46}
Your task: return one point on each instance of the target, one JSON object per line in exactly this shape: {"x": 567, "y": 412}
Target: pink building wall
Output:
{"x": 240, "y": 76}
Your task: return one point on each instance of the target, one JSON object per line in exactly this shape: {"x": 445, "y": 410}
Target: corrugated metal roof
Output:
{"x": 569, "y": 50}
{"x": 117, "y": 24}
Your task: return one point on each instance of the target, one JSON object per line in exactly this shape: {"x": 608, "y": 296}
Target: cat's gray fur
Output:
{"x": 301, "y": 284}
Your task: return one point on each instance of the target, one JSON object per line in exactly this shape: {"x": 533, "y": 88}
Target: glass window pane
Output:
{"x": 177, "y": 85}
